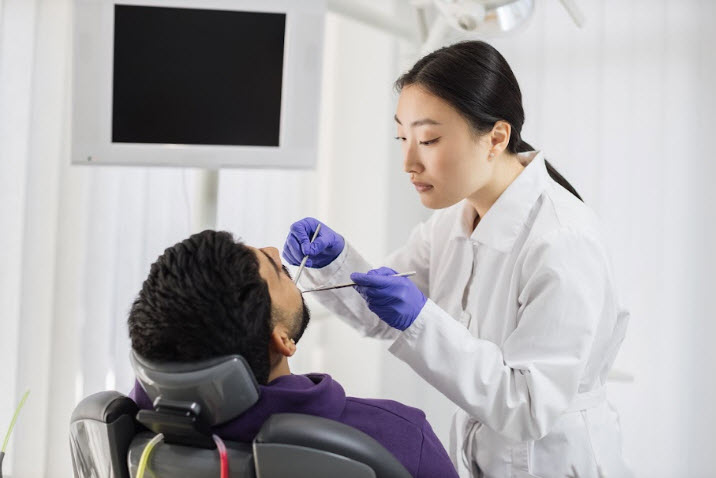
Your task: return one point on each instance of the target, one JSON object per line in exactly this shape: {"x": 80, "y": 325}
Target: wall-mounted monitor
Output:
{"x": 201, "y": 83}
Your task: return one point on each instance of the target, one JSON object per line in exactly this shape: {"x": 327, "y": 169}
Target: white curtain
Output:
{"x": 623, "y": 108}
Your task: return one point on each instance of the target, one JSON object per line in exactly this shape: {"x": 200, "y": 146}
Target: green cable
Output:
{"x": 14, "y": 419}
{"x": 145, "y": 454}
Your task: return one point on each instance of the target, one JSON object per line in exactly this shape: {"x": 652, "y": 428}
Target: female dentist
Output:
{"x": 513, "y": 313}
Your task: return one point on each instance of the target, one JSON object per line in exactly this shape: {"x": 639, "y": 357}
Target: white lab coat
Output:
{"x": 521, "y": 327}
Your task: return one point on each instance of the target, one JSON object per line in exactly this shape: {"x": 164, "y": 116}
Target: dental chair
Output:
{"x": 108, "y": 433}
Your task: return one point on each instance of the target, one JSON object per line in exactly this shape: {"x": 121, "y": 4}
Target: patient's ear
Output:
{"x": 281, "y": 341}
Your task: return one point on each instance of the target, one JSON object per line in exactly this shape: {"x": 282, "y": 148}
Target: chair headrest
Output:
{"x": 223, "y": 387}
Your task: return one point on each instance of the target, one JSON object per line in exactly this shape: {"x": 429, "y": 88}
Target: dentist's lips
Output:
{"x": 422, "y": 187}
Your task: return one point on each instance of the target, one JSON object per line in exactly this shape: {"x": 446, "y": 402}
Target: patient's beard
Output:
{"x": 302, "y": 318}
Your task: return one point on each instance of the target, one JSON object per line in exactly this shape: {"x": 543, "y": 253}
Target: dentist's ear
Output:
{"x": 500, "y": 137}
{"x": 281, "y": 342}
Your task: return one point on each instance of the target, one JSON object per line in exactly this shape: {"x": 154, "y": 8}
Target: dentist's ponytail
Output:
{"x": 554, "y": 174}
{"x": 475, "y": 79}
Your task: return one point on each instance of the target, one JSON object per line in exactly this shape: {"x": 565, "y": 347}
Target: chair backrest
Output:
{"x": 189, "y": 399}
{"x": 182, "y": 461}
{"x": 287, "y": 446}
{"x": 292, "y": 445}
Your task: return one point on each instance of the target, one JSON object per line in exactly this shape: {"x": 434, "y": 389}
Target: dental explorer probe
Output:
{"x": 340, "y": 286}
{"x": 305, "y": 258}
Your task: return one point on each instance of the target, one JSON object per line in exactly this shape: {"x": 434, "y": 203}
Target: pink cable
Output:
{"x": 223, "y": 457}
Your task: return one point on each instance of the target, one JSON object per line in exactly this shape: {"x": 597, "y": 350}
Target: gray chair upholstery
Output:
{"x": 310, "y": 442}
{"x": 101, "y": 428}
{"x": 223, "y": 387}
{"x": 108, "y": 433}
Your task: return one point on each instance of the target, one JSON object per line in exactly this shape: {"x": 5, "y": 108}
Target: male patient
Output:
{"x": 210, "y": 296}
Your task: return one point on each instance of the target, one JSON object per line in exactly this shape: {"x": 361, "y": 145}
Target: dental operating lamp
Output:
{"x": 468, "y": 18}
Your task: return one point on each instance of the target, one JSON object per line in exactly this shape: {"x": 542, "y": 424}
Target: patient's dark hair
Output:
{"x": 476, "y": 80}
{"x": 204, "y": 298}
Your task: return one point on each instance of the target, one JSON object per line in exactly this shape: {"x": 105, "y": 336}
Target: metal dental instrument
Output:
{"x": 305, "y": 258}
{"x": 341, "y": 286}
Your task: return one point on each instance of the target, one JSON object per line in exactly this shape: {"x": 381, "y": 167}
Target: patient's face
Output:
{"x": 286, "y": 300}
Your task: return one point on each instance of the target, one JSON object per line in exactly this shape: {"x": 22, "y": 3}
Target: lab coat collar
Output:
{"x": 504, "y": 220}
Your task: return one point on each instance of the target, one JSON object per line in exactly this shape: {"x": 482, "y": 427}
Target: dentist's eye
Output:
{"x": 429, "y": 142}
{"x": 400, "y": 138}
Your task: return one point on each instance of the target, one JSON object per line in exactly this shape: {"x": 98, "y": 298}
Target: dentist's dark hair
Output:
{"x": 475, "y": 79}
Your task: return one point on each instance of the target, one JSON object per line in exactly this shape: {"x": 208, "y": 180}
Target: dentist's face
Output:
{"x": 445, "y": 160}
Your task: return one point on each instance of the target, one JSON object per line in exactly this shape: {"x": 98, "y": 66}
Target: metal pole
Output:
{"x": 206, "y": 196}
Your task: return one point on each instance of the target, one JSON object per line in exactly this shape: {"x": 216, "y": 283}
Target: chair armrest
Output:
{"x": 101, "y": 428}
{"x": 104, "y": 407}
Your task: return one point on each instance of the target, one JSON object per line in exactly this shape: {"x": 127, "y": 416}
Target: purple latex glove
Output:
{"x": 396, "y": 300}
{"x": 321, "y": 252}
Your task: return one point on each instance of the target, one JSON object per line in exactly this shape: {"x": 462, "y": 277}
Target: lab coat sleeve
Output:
{"x": 415, "y": 255}
{"x": 520, "y": 389}
{"x": 347, "y": 303}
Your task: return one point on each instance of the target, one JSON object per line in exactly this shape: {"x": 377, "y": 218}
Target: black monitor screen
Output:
{"x": 190, "y": 76}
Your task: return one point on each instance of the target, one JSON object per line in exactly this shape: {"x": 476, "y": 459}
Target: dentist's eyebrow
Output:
{"x": 420, "y": 122}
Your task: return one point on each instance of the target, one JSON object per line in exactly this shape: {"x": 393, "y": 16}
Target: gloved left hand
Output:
{"x": 396, "y": 300}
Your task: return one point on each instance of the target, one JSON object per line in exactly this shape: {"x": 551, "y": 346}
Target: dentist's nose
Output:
{"x": 411, "y": 161}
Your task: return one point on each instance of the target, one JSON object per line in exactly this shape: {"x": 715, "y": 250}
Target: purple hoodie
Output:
{"x": 402, "y": 430}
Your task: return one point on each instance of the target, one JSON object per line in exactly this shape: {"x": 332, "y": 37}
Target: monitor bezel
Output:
{"x": 300, "y": 91}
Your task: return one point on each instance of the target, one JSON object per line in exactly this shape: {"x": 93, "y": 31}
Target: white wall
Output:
{"x": 623, "y": 108}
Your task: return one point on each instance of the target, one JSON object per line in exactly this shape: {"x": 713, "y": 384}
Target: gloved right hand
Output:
{"x": 321, "y": 252}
